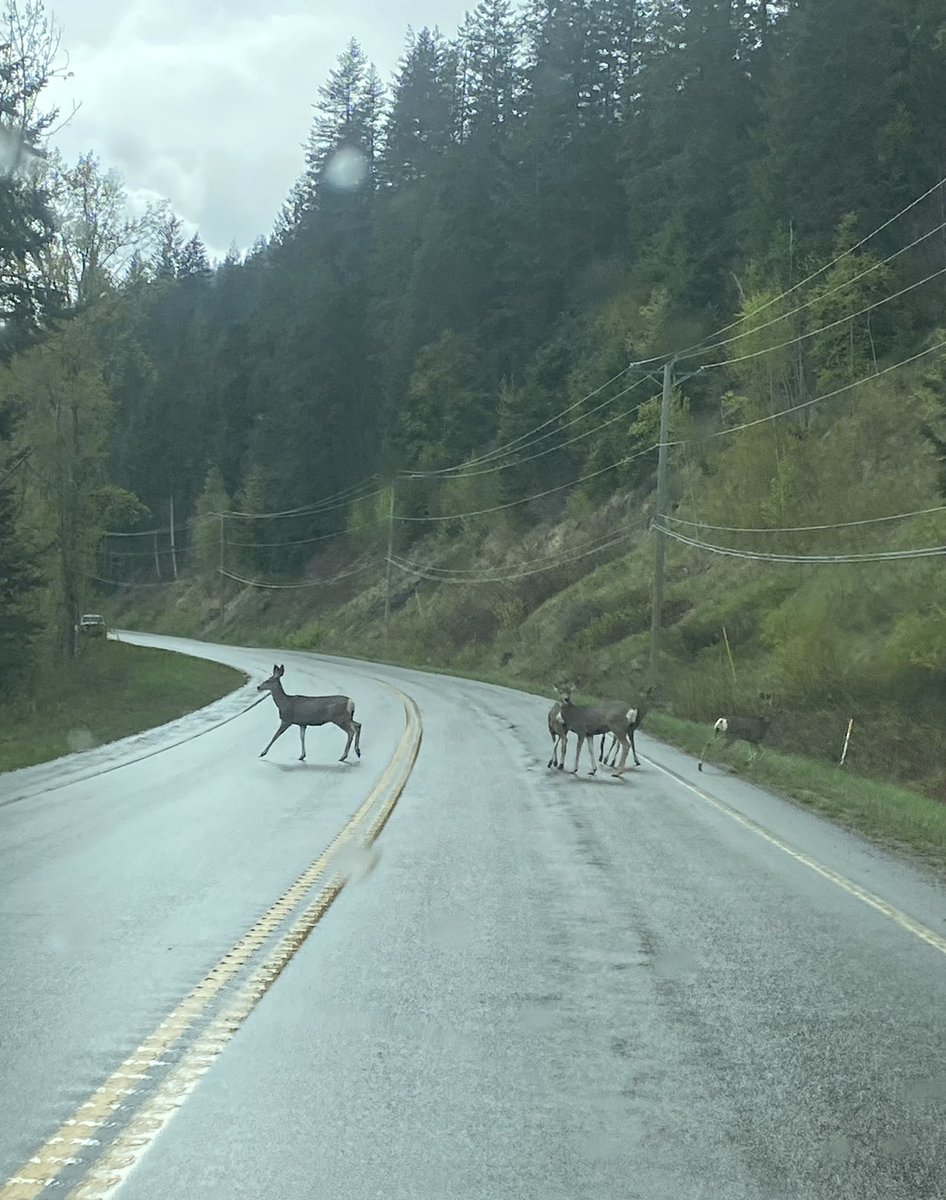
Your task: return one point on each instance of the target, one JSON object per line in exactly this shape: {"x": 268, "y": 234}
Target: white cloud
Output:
{"x": 209, "y": 103}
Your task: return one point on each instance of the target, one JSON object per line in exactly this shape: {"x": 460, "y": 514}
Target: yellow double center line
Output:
{"x": 116, "y": 1093}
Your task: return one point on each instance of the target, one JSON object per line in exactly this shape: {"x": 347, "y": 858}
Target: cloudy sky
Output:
{"x": 208, "y": 102}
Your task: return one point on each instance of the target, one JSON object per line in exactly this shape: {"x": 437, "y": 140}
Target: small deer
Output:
{"x": 640, "y": 712}
{"x": 558, "y": 733}
{"x": 742, "y": 729}
{"x": 311, "y": 710}
{"x": 588, "y": 722}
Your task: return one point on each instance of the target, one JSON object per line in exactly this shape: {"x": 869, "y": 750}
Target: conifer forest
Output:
{"x": 421, "y": 418}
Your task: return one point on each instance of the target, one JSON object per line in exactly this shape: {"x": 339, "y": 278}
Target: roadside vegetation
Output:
{"x": 110, "y": 691}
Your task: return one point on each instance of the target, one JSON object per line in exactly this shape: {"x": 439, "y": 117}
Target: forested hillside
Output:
{"x": 420, "y": 418}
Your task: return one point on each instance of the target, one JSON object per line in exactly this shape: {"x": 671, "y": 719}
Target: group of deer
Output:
{"x": 620, "y": 720}
{"x": 587, "y": 722}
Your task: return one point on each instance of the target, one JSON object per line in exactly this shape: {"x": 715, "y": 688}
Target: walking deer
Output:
{"x": 311, "y": 710}
{"x": 588, "y": 722}
{"x": 640, "y": 712}
{"x": 742, "y": 729}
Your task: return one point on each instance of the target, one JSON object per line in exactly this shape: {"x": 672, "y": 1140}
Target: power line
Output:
{"x": 123, "y": 583}
{"x": 821, "y": 559}
{"x": 606, "y": 540}
{"x": 338, "y": 500}
{"x": 818, "y": 299}
{"x": 538, "y": 495}
{"x": 561, "y": 445}
{"x": 258, "y": 583}
{"x": 499, "y": 451}
{"x": 697, "y": 346}
{"x": 808, "y": 403}
{"x": 322, "y": 537}
{"x": 726, "y": 362}
{"x": 920, "y": 512}
{"x": 424, "y": 573}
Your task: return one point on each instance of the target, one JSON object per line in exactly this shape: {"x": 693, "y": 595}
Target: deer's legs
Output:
{"x": 582, "y": 739}
{"x": 353, "y": 729}
{"x": 637, "y": 761}
{"x": 625, "y": 746}
{"x": 283, "y": 726}
{"x": 302, "y": 739}
{"x": 710, "y": 740}
{"x": 553, "y": 761}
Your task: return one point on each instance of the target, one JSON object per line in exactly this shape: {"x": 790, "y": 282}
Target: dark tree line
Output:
{"x": 562, "y": 187}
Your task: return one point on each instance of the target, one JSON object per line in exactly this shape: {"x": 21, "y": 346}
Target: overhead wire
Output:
{"x": 537, "y": 495}
{"x": 258, "y": 583}
{"x": 700, "y": 345}
{"x": 920, "y": 512}
{"x": 327, "y": 504}
{"x": 424, "y": 573}
{"x": 818, "y": 299}
{"x": 825, "y": 559}
{"x": 570, "y": 441}
{"x": 605, "y": 540}
{"x": 727, "y": 362}
{"x": 807, "y": 403}
{"x": 499, "y": 451}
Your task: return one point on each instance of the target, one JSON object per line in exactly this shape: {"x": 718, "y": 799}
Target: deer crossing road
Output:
{"x": 536, "y": 984}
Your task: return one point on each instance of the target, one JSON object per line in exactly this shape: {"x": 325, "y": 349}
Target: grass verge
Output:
{"x": 894, "y": 817}
{"x": 111, "y": 691}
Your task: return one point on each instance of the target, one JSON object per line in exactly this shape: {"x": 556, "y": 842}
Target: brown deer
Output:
{"x": 588, "y": 722}
{"x": 558, "y": 733}
{"x": 742, "y": 729}
{"x": 640, "y": 712}
{"x": 311, "y": 710}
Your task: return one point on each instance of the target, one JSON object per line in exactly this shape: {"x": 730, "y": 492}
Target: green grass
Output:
{"x": 893, "y": 817}
{"x": 111, "y": 691}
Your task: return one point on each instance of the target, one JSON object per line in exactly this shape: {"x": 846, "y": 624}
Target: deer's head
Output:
{"x": 564, "y": 692}
{"x": 271, "y": 684}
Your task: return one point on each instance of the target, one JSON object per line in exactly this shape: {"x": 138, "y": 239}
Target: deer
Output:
{"x": 311, "y": 710}
{"x": 641, "y": 711}
{"x": 588, "y": 722}
{"x": 558, "y": 733}
{"x": 742, "y": 729}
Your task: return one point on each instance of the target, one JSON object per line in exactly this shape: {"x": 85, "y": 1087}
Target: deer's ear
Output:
{"x": 281, "y": 670}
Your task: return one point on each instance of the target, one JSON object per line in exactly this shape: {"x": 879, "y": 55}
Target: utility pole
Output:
{"x": 387, "y": 577}
{"x": 661, "y": 545}
{"x": 173, "y": 546}
{"x": 223, "y": 581}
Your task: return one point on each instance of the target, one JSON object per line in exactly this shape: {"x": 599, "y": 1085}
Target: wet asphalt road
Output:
{"x": 548, "y": 987}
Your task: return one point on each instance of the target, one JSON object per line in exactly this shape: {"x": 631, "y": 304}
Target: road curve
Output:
{"x": 535, "y": 985}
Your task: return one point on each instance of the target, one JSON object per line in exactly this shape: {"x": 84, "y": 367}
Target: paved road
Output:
{"x": 536, "y": 986}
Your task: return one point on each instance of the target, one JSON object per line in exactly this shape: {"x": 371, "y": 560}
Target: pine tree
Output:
{"x": 193, "y": 262}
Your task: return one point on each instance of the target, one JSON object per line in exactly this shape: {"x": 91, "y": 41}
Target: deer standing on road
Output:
{"x": 641, "y": 711}
{"x": 742, "y": 729}
{"x": 588, "y": 722}
{"x": 311, "y": 710}
{"x": 559, "y": 734}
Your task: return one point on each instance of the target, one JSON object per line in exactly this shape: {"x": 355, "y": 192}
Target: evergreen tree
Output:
{"x": 193, "y": 263}
{"x": 170, "y": 237}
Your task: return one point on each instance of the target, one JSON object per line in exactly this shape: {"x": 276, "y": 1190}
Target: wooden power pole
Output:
{"x": 661, "y": 540}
